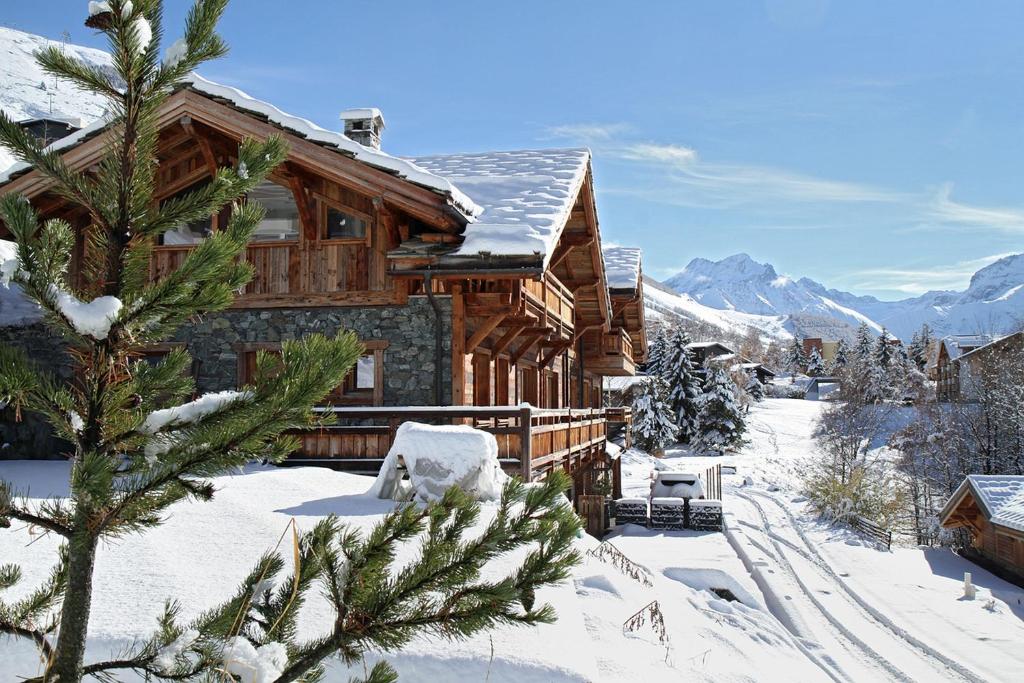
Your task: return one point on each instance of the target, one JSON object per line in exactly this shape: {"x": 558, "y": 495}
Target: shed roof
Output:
{"x": 1000, "y": 497}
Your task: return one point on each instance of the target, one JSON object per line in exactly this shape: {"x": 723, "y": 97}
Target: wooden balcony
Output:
{"x": 531, "y": 441}
{"x": 610, "y": 354}
{"x": 552, "y": 302}
{"x": 290, "y": 273}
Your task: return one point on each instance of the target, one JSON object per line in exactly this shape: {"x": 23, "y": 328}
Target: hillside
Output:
{"x": 28, "y": 93}
{"x": 994, "y": 301}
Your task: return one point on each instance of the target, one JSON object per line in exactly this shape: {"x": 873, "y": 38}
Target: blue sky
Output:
{"x": 873, "y": 146}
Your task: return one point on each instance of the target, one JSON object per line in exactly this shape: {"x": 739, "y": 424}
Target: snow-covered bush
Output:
{"x": 863, "y": 491}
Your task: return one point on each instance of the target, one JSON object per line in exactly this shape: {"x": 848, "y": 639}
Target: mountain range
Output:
{"x": 738, "y": 287}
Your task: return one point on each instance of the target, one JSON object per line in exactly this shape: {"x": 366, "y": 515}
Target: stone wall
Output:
{"x": 31, "y": 436}
{"x": 217, "y": 339}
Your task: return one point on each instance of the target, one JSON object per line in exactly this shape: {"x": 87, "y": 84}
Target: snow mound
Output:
{"x": 437, "y": 457}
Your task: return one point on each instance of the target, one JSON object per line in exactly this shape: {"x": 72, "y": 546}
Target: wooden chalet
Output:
{"x": 476, "y": 281}
{"x": 944, "y": 370}
{"x": 991, "y": 507}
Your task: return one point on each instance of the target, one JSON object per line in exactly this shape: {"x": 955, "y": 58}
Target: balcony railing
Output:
{"x": 552, "y": 298}
{"x": 531, "y": 441}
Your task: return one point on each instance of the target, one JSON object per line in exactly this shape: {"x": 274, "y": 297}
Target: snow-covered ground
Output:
{"x": 814, "y": 603}
{"x": 860, "y": 612}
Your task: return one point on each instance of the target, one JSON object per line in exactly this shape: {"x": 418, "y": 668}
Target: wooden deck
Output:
{"x": 531, "y": 441}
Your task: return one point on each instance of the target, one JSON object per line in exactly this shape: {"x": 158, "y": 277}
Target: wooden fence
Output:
{"x": 713, "y": 483}
{"x": 872, "y": 531}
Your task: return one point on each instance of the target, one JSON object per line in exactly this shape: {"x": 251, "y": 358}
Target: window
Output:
{"x": 363, "y": 386}
{"x": 193, "y": 232}
{"x": 343, "y": 223}
{"x": 281, "y": 221}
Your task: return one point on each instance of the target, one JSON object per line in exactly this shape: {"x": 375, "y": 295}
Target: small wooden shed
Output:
{"x": 992, "y": 508}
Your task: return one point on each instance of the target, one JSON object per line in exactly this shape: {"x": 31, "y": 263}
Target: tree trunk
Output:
{"x": 69, "y": 652}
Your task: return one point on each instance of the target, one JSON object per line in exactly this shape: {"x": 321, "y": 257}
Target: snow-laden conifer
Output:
{"x": 654, "y": 425}
{"x": 683, "y": 384}
{"x": 720, "y": 415}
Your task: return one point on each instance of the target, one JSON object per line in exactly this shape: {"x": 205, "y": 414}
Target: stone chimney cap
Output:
{"x": 362, "y": 113}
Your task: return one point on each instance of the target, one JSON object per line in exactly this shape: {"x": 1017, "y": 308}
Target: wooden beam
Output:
{"x": 555, "y": 353}
{"x": 202, "y": 142}
{"x": 304, "y": 204}
{"x": 507, "y": 338}
{"x": 484, "y": 330}
{"x": 527, "y": 344}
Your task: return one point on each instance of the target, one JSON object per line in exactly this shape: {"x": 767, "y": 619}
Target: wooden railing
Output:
{"x": 283, "y": 268}
{"x": 555, "y": 298}
{"x": 530, "y": 440}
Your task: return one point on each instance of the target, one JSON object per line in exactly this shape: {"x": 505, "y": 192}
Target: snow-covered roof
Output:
{"x": 958, "y": 344}
{"x": 995, "y": 340}
{"x": 707, "y": 345}
{"x": 1001, "y": 498}
{"x": 300, "y": 127}
{"x": 526, "y": 197}
{"x": 622, "y": 267}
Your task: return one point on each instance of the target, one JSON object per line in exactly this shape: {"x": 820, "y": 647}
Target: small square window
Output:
{"x": 344, "y": 225}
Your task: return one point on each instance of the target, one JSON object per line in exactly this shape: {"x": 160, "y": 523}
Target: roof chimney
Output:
{"x": 364, "y": 125}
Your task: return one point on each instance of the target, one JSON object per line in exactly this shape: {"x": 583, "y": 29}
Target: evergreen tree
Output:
{"x": 656, "y": 353}
{"x": 863, "y": 347}
{"x": 720, "y": 415}
{"x": 815, "y": 364}
{"x": 653, "y": 418}
{"x": 842, "y": 356}
{"x": 683, "y": 384}
{"x": 796, "y": 359}
{"x": 883, "y": 351}
{"x": 755, "y": 389}
{"x": 914, "y": 348}
{"x": 138, "y": 445}
{"x": 918, "y": 351}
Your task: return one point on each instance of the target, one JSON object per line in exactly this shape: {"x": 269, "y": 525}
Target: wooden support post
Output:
{"x": 204, "y": 144}
{"x": 458, "y": 346}
{"x": 526, "y": 442}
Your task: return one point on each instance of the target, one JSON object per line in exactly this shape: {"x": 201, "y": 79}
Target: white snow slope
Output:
{"x": 861, "y": 613}
{"x": 993, "y": 302}
{"x": 26, "y": 92}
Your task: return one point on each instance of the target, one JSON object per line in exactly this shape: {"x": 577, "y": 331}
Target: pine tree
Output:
{"x": 683, "y": 384}
{"x": 656, "y": 352}
{"x": 842, "y": 356}
{"x": 918, "y": 352}
{"x": 796, "y": 359}
{"x": 653, "y": 418}
{"x": 815, "y": 364}
{"x": 883, "y": 351}
{"x": 139, "y": 445}
{"x": 863, "y": 347}
{"x": 755, "y": 389}
{"x": 720, "y": 416}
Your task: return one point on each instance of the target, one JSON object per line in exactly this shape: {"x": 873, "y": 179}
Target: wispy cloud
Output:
{"x": 678, "y": 175}
{"x": 915, "y": 281}
{"x": 946, "y": 210}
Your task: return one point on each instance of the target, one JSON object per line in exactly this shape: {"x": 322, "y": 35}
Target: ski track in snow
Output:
{"x": 909, "y": 660}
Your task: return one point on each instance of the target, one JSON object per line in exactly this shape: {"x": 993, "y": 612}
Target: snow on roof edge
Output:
{"x": 303, "y": 127}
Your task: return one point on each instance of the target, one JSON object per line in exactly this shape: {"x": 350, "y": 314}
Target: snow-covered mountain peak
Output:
{"x": 997, "y": 279}
{"x": 993, "y": 303}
